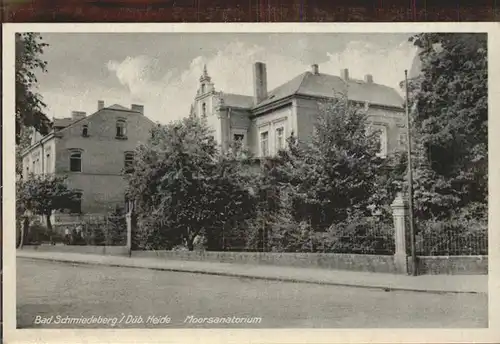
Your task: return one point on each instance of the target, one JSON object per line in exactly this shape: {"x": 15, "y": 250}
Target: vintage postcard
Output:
{"x": 268, "y": 183}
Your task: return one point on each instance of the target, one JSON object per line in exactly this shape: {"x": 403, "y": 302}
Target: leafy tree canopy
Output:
{"x": 42, "y": 194}
{"x": 336, "y": 173}
{"x": 183, "y": 186}
{"x": 29, "y": 104}
{"x": 450, "y": 124}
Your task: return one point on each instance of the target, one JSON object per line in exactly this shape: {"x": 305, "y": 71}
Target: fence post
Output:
{"x": 399, "y": 213}
{"x": 128, "y": 218}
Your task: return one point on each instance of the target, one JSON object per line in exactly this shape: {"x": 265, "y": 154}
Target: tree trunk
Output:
{"x": 190, "y": 242}
{"x": 24, "y": 231}
{"x": 49, "y": 229}
{"x": 49, "y": 223}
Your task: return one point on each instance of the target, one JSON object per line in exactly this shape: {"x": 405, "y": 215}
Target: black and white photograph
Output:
{"x": 250, "y": 180}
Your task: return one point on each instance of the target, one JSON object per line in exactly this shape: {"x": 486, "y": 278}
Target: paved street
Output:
{"x": 58, "y": 290}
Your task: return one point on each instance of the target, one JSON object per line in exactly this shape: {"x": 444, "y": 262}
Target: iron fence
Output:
{"x": 452, "y": 243}
{"x": 370, "y": 237}
{"x": 373, "y": 238}
{"x": 99, "y": 230}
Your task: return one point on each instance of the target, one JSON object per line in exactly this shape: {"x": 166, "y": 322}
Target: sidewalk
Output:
{"x": 388, "y": 282}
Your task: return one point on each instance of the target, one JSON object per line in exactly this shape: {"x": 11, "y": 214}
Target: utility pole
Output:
{"x": 410, "y": 181}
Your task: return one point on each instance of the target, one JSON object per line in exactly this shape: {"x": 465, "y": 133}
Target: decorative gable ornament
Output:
{"x": 218, "y": 101}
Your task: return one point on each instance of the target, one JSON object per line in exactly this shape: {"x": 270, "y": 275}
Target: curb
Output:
{"x": 266, "y": 278}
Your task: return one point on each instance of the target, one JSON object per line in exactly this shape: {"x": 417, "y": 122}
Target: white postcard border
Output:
{"x": 11, "y": 335}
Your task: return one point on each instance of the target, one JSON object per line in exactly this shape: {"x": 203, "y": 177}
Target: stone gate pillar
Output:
{"x": 399, "y": 213}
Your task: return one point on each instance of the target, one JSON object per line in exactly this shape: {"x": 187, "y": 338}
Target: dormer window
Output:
{"x": 121, "y": 129}
{"x": 85, "y": 130}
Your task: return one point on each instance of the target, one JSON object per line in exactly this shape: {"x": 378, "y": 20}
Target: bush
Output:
{"x": 465, "y": 233}
{"x": 292, "y": 236}
{"x": 116, "y": 230}
{"x": 360, "y": 235}
{"x": 152, "y": 234}
{"x": 39, "y": 234}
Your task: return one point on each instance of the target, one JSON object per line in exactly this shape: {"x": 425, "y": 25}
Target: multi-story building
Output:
{"x": 93, "y": 152}
{"x": 264, "y": 121}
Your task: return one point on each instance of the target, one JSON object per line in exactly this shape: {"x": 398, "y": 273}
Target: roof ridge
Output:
{"x": 234, "y": 94}
{"x": 303, "y": 75}
{"x": 116, "y": 105}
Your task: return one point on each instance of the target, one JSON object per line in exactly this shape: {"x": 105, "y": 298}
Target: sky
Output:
{"x": 161, "y": 70}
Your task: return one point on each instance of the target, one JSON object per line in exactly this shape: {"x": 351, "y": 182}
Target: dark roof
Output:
{"x": 118, "y": 107}
{"x": 324, "y": 85}
{"x": 287, "y": 89}
{"x": 237, "y": 100}
{"x": 64, "y": 122}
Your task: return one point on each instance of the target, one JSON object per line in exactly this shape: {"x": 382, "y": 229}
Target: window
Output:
{"x": 402, "y": 139}
{"x": 121, "y": 129}
{"x": 204, "y": 109}
{"x": 264, "y": 143}
{"x": 48, "y": 163}
{"x": 383, "y": 141}
{"x": 129, "y": 162}
{"x": 33, "y": 170}
{"x": 85, "y": 130}
{"x": 203, "y": 88}
{"x": 238, "y": 137}
{"x": 75, "y": 206}
{"x": 280, "y": 138}
{"x": 239, "y": 140}
{"x": 75, "y": 162}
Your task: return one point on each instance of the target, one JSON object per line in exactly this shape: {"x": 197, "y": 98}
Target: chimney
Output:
{"x": 315, "y": 69}
{"x": 138, "y": 108}
{"x": 100, "y": 105}
{"x": 77, "y": 115}
{"x": 344, "y": 73}
{"x": 369, "y": 78}
{"x": 259, "y": 82}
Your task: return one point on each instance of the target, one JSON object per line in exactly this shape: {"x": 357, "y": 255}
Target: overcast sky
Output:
{"x": 161, "y": 71}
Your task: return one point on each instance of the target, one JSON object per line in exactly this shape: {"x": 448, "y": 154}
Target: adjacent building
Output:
{"x": 93, "y": 152}
{"x": 264, "y": 121}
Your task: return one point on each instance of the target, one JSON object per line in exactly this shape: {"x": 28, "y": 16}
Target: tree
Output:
{"x": 450, "y": 123}
{"x": 183, "y": 186}
{"x": 43, "y": 194}
{"x": 24, "y": 142}
{"x": 234, "y": 200}
{"x": 29, "y": 104}
{"x": 336, "y": 173}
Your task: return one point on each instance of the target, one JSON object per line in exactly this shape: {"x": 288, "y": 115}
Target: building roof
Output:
{"x": 237, "y": 100}
{"x": 118, "y": 107}
{"x": 287, "y": 89}
{"x": 64, "y": 122}
{"x": 325, "y": 85}
{"x": 67, "y": 121}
